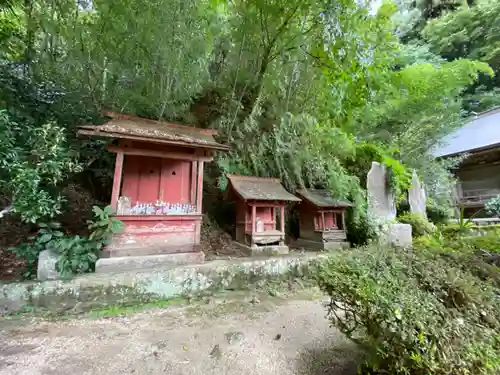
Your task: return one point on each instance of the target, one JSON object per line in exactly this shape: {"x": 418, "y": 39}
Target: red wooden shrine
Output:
{"x": 260, "y": 210}
{"x": 322, "y": 220}
{"x": 157, "y": 185}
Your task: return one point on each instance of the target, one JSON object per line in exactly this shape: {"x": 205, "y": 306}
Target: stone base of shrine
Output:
{"x": 302, "y": 243}
{"x": 262, "y": 250}
{"x": 121, "y": 264}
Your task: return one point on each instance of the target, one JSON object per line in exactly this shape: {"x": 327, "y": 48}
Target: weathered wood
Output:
{"x": 159, "y": 154}
{"x": 194, "y": 168}
{"x": 199, "y": 192}
{"x": 117, "y": 180}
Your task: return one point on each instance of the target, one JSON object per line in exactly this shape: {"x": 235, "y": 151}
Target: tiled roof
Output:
{"x": 321, "y": 198}
{"x": 260, "y": 188}
{"x": 482, "y": 132}
{"x": 130, "y": 127}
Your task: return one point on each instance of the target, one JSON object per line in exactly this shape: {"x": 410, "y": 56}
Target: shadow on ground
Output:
{"x": 338, "y": 360}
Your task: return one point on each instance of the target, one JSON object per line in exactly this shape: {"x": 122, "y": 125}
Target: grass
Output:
{"x": 120, "y": 310}
{"x": 214, "y": 304}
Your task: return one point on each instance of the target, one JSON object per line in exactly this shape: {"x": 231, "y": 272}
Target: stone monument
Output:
{"x": 46, "y": 270}
{"x": 380, "y": 198}
{"x": 382, "y": 206}
{"x": 416, "y": 197}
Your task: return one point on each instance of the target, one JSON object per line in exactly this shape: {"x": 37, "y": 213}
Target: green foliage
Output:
{"x": 46, "y": 238}
{"x": 438, "y": 213}
{"x": 77, "y": 254}
{"x": 398, "y": 177}
{"x": 414, "y": 312}
{"x": 310, "y": 92}
{"x": 493, "y": 206}
{"x": 419, "y": 225}
{"x": 34, "y": 162}
{"x": 362, "y": 228}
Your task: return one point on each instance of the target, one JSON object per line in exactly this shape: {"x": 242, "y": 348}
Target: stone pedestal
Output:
{"x": 398, "y": 235}
{"x": 47, "y": 266}
{"x": 262, "y": 250}
{"x": 121, "y": 264}
{"x": 302, "y": 243}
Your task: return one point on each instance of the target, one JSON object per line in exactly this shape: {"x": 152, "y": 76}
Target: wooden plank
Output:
{"x": 117, "y": 180}
{"x": 159, "y": 154}
{"x": 282, "y": 219}
{"x": 194, "y": 167}
{"x": 269, "y": 205}
{"x": 254, "y": 210}
{"x": 199, "y": 193}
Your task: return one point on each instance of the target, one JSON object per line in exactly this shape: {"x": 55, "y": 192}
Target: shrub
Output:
{"x": 413, "y": 312}
{"x": 362, "y": 228}
{"x": 419, "y": 224}
{"x": 77, "y": 254}
{"x": 29, "y": 251}
{"x": 493, "y": 206}
{"x": 438, "y": 214}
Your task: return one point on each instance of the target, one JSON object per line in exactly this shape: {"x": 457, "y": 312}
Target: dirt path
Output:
{"x": 272, "y": 337}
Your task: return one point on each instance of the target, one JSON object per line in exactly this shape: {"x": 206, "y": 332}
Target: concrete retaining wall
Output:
{"x": 98, "y": 290}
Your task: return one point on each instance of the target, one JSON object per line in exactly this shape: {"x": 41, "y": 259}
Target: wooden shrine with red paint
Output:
{"x": 260, "y": 211}
{"x": 322, "y": 220}
{"x": 157, "y": 185}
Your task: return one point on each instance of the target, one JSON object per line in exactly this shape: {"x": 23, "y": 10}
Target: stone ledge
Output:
{"x": 302, "y": 243}
{"x": 122, "y": 264}
{"x": 270, "y": 250}
{"x": 98, "y": 290}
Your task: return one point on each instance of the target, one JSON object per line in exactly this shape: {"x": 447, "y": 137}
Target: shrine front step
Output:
{"x": 134, "y": 251}
{"x": 302, "y": 243}
{"x": 126, "y": 263}
{"x": 255, "y": 251}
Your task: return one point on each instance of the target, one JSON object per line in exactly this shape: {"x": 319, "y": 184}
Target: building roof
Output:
{"x": 481, "y": 133}
{"x": 136, "y": 128}
{"x": 321, "y": 198}
{"x": 260, "y": 188}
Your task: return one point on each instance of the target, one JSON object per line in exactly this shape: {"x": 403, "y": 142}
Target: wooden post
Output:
{"x": 323, "y": 221}
{"x": 254, "y": 210}
{"x": 117, "y": 180}
{"x": 275, "y": 213}
{"x": 282, "y": 219}
{"x": 199, "y": 195}
{"x": 193, "y": 182}
{"x": 343, "y": 220}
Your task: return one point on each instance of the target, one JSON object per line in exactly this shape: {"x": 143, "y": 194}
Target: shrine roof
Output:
{"x": 260, "y": 188}
{"x": 321, "y": 198}
{"x": 482, "y": 132}
{"x": 136, "y": 128}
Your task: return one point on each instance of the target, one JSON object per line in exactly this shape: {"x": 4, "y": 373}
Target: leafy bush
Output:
{"x": 414, "y": 312}
{"x": 77, "y": 254}
{"x": 29, "y": 251}
{"x": 493, "y": 206}
{"x": 361, "y": 227}
{"x": 34, "y": 161}
{"x": 438, "y": 214}
{"x": 419, "y": 225}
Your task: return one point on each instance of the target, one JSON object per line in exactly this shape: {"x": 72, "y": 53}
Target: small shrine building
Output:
{"x": 260, "y": 213}
{"x": 322, "y": 220}
{"x": 157, "y": 185}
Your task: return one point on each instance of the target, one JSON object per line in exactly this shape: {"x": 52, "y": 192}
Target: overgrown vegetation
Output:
{"x": 310, "y": 92}
{"x": 77, "y": 254}
{"x": 430, "y": 310}
{"x": 419, "y": 224}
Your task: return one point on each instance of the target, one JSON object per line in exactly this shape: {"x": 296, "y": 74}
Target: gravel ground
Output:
{"x": 278, "y": 337}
